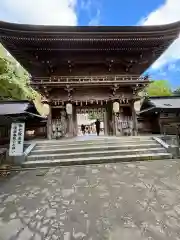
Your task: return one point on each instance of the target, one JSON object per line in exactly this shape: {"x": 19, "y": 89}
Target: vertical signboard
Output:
{"x": 17, "y": 139}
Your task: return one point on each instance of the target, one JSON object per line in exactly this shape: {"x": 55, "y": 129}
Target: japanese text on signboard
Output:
{"x": 17, "y": 139}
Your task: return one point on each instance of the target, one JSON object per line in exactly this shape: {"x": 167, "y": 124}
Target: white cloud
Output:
{"x": 172, "y": 67}
{"x": 95, "y": 21}
{"x": 86, "y": 4}
{"x": 45, "y": 12}
{"x": 167, "y": 13}
{"x": 92, "y": 8}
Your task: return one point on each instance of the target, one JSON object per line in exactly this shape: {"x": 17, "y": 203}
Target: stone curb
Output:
{"x": 173, "y": 149}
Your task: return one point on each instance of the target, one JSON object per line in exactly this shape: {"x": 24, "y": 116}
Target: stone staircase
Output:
{"x": 98, "y": 150}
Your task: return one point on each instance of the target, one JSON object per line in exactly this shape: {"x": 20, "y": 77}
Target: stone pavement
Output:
{"x": 113, "y": 201}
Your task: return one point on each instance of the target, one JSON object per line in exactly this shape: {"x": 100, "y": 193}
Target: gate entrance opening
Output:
{"x": 86, "y": 119}
{"x": 85, "y": 116}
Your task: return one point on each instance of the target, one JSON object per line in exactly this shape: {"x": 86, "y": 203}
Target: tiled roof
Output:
{"x": 13, "y": 107}
{"x": 18, "y": 108}
{"x": 165, "y": 102}
{"x": 160, "y": 103}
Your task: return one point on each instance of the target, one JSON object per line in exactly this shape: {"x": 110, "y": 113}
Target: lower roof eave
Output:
{"x": 147, "y": 111}
{"x": 152, "y": 110}
{"x": 9, "y": 118}
{"x": 32, "y": 115}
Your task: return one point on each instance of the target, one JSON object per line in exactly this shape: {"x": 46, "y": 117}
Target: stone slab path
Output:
{"x": 139, "y": 201}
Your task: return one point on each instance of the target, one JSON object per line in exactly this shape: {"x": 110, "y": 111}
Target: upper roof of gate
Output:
{"x": 63, "y": 50}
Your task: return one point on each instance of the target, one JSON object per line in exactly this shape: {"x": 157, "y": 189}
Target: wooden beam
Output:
{"x": 88, "y": 79}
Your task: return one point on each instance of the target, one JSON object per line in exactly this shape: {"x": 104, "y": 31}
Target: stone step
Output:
{"x": 98, "y": 139}
{"x": 97, "y": 160}
{"x": 96, "y": 153}
{"x": 94, "y": 139}
{"x": 105, "y": 147}
{"x": 58, "y": 145}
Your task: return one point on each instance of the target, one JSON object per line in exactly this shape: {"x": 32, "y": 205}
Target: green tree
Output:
{"x": 14, "y": 80}
{"x": 158, "y": 88}
{"x": 95, "y": 115}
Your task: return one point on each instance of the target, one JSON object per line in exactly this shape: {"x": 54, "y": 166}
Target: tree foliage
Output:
{"x": 14, "y": 80}
{"x": 95, "y": 115}
{"x": 159, "y": 88}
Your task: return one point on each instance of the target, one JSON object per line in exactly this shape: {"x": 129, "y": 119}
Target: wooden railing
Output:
{"x": 87, "y": 79}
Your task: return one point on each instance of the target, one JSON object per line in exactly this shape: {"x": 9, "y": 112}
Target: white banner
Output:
{"x": 17, "y": 139}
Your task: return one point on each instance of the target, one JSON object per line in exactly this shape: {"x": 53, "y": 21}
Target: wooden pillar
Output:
{"x": 70, "y": 124}
{"x": 75, "y": 127}
{"x": 160, "y": 124}
{"x": 49, "y": 124}
{"x": 110, "y": 119}
{"x": 105, "y": 123}
{"x": 107, "y": 119}
{"x": 116, "y": 125}
{"x": 113, "y": 123}
{"x": 134, "y": 119}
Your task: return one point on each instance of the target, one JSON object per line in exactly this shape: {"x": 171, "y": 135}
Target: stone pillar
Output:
{"x": 134, "y": 119}
{"x": 49, "y": 124}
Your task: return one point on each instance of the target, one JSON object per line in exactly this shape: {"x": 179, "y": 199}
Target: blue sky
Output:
{"x": 118, "y": 12}
{"x": 103, "y": 12}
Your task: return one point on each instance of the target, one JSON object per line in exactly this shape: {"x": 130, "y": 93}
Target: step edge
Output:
{"x": 113, "y": 151}
{"x": 97, "y": 139}
{"x": 104, "y": 146}
{"x": 112, "y": 157}
{"x": 85, "y": 160}
{"x": 93, "y": 140}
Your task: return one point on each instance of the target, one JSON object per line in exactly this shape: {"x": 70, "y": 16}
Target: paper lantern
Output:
{"x": 69, "y": 108}
{"x": 116, "y": 107}
{"x": 137, "y": 106}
